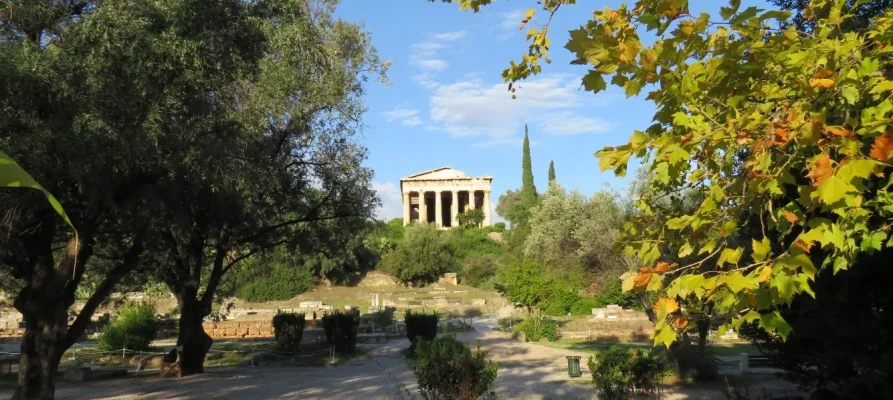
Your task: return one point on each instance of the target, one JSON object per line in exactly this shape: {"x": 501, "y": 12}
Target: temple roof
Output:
{"x": 441, "y": 173}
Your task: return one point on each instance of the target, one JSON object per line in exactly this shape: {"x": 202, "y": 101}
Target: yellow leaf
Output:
{"x": 665, "y": 306}
{"x": 765, "y": 273}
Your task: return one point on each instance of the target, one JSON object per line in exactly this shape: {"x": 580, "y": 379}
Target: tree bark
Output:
{"x": 42, "y": 348}
{"x": 192, "y": 337}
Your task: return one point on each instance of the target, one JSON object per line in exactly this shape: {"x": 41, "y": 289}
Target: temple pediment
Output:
{"x": 437, "y": 173}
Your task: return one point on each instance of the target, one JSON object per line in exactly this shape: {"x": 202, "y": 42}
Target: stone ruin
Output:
{"x": 615, "y": 312}
{"x": 449, "y": 278}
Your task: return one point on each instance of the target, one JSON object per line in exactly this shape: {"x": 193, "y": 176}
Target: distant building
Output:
{"x": 439, "y": 195}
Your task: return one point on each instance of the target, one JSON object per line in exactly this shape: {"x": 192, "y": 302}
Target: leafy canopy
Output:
{"x": 785, "y": 131}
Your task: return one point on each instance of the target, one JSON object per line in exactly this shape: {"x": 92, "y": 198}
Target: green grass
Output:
{"x": 722, "y": 349}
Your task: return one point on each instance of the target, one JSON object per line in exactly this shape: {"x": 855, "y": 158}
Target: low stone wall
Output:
{"x": 248, "y": 329}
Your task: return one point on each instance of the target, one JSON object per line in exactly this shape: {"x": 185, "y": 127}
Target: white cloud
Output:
{"x": 406, "y": 116}
{"x": 449, "y": 36}
{"x": 391, "y": 201}
{"x": 553, "y": 104}
{"x": 432, "y": 64}
{"x": 511, "y": 20}
{"x": 424, "y": 54}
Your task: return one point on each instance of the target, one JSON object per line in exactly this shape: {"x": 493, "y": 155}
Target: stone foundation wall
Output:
{"x": 248, "y": 329}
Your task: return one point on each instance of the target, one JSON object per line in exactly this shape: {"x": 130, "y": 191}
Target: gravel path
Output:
{"x": 526, "y": 371}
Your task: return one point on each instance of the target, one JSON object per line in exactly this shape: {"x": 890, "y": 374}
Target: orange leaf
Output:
{"x": 663, "y": 266}
{"x": 758, "y": 145}
{"x": 680, "y": 322}
{"x": 823, "y": 73}
{"x": 666, "y": 305}
{"x": 642, "y": 279}
{"x": 839, "y": 131}
{"x": 882, "y": 147}
{"x": 803, "y": 245}
{"x": 820, "y": 171}
{"x": 685, "y": 138}
{"x": 781, "y": 135}
{"x": 791, "y": 217}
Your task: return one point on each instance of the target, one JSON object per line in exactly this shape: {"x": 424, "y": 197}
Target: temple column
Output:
{"x": 454, "y": 209}
{"x": 438, "y": 209}
{"x": 407, "y": 206}
{"x": 423, "y": 213}
{"x": 486, "y": 208}
{"x": 471, "y": 203}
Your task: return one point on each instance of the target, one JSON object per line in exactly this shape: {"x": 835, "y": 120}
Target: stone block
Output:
{"x": 614, "y": 307}
{"x": 310, "y": 304}
{"x": 77, "y": 374}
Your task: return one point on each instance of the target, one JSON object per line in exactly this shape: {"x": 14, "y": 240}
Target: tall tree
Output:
{"x": 528, "y": 188}
{"x": 284, "y": 168}
{"x": 551, "y": 171}
{"x": 792, "y": 136}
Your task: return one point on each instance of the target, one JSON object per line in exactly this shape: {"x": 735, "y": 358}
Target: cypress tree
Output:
{"x": 551, "y": 171}
{"x": 528, "y": 189}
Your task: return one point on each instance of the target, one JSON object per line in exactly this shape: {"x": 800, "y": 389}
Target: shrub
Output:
{"x": 499, "y": 227}
{"x": 421, "y": 257}
{"x": 341, "y": 330}
{"x": 617, "y": 372}
{"x": 477, "y": 270}
{"x": 276, "y": 282}
{"x": 583, "y": 306}
{"x": 134, "y": 329}
{"x": 559, "y": 300}
{"x": 447, "y": 369}
{"x": 384, "y": 317}
{"x": 471, "y": 218}
{"x": 537, "y": 328}
{"x": 472, "y": 242}
{"x": 288, "y": 329}
{"x": 420, "y": 326}
{"x": 612, "y": 293}
{"x": 694, "y": 363}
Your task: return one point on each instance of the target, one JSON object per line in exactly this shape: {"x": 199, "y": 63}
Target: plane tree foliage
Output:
{"x": 783, "y": 131}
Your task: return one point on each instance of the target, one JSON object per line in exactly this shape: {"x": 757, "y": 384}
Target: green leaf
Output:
{"x": 851, "y": 94}
{"x": 736, "y": 282}
{"x": 12, "y": 175}
{"x": 856, "y": 169}
{"x": 882, "y": 87}
{"x": 665, "y": 335}
{"x": 833, "y": 189}
{"x": 690, "y": 284}
{"x": 773, "y": 322}
{"x": 730, "y": 256}
{"x": 873, "y": 242}
{"x": 800, "y": 261}
{"x": 868, "y": 66}
{"x": 594, "y": 82}
{"x": 728, "y": 12}
{"x": 760, "y": 249}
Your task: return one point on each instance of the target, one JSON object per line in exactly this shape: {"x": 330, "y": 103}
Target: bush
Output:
{"x": 583, "y": 306}
{"x": 471, "y": 218}
{"x": 612, "y": 293}
{"x": 288, "y": 329}
{"x": 694, "y": 363}
{"x": 499, "y": 227}
{"x": 617, "y": 372}
{"x": 270, "y": 277}
{"x": 537, "y": 328}
{"x": 447, "y": 369}
{"x": 341, "y": 330}
{"x": 559, "y": 301}
{"x": 384, "y": 317}
{"x": 473, "y": 242}
{"x": 421, "y": 257}
{"x": 134, "y": 329}
{"x": 477, "y": 270}
{"x": 420, "y": 326}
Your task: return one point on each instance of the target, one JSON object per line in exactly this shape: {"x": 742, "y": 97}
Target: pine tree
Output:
{"x": 528, "y": 189}
{"x": 551, "y": 171}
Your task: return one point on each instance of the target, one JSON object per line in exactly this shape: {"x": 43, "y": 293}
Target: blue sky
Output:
{"x": 448, "y": 105}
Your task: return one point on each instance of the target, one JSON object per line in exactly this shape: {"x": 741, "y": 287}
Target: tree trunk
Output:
{"x": 42, "y": 347}
{"x": 192, "y": 336}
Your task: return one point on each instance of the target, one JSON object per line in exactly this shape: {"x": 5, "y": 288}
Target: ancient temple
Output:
{"x": 439, "y": 195}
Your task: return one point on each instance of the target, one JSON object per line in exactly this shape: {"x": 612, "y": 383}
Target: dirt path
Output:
{"x": 526, "y": 371}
